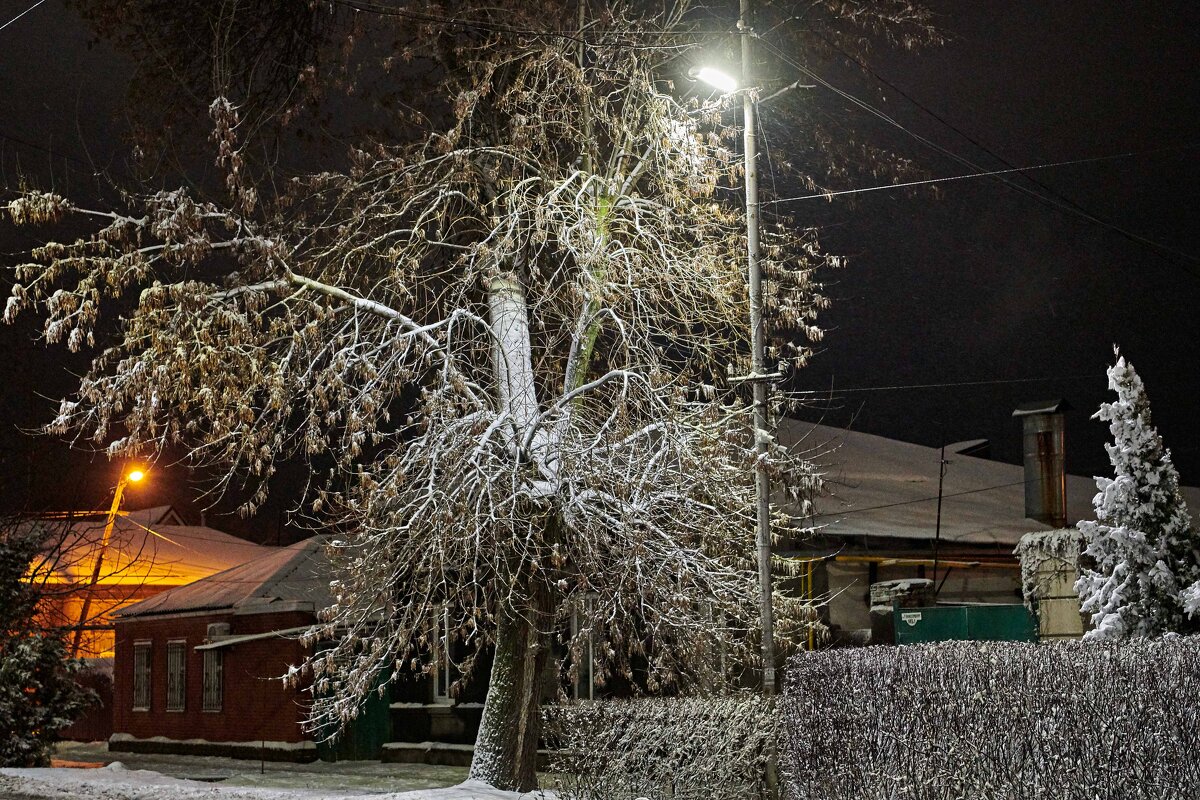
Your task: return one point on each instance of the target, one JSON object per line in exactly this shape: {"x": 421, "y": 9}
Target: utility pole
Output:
{"x": 135, "y": 475}
{"x": 937, "y": 530}
{"x": 758, "y": 372}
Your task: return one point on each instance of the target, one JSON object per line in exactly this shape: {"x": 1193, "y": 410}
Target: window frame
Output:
{"x": 143, "y": 675}
{"x": 213, "y": 672}
{"x": 176, "y": 676}
{"x": 584, "y": 675}
{"x": 445, "y": 673}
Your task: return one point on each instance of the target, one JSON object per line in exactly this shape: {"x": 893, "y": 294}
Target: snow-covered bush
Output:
{"x": 38, "y": 694}
{"x": 1141, "y": 543}
{"x": 1069, "y": 721}
{"x": 707, "y": 748}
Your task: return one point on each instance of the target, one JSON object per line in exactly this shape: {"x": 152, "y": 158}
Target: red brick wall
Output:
{"x": 256, "y": 705}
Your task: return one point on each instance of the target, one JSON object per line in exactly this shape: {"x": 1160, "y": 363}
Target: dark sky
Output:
{"x": 1021, "y": 296}
{"x": 986, "y": 283}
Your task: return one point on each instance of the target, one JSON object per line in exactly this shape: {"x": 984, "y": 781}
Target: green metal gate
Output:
{"x": 362, "y": 739}
{"x": 981, "y": 623}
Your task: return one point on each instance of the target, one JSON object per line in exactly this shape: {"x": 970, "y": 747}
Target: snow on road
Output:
{"x": 115, "y": 782}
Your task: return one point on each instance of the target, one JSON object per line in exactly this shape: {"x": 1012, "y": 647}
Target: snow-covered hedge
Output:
{"x": 1069, "y": 721}
{"x": 679, "y": 748}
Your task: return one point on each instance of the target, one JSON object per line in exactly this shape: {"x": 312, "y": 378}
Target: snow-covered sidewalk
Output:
{"x": 115, "y": 782}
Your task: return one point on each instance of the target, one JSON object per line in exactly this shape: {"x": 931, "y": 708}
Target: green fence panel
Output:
{"x": 994, "y": 623}
{"x": 1007, "y": 623}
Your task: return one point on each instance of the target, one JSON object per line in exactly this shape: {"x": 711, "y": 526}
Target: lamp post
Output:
{"x": 758, "y": 374}
{"x": 133, "y": 476}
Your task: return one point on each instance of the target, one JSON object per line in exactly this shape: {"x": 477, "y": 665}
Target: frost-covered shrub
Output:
{"x": 1068, "y": 721}
{"x": 677, "y": 748}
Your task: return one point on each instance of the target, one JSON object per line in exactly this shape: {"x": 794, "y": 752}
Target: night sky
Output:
{"x": 1022, "y": 297}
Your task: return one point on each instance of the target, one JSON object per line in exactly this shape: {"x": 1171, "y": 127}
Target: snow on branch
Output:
{"x": 502, "y": 349}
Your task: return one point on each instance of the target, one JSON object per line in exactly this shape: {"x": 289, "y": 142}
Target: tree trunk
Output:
{"x": 506, "y": 748}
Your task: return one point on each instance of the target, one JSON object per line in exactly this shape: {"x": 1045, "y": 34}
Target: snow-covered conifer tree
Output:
{"x": 38, "y": 693}
{"x": 1141, "y": 545}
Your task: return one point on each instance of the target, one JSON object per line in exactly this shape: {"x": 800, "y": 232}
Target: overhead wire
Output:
{"x": 949, "y": 384}
{"x": 1060, "y": 204}
{"x": 23, "y": 13}
{"x": 1134, "y": 237}
{"x": 984, "y": 174}
{"x": 929, "y": 499}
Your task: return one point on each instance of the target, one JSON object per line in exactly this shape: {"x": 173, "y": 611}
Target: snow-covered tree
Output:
{"x": 38, "y": 694}
{"x": 504, "y": 347}
{"x": 1141, "y": 545}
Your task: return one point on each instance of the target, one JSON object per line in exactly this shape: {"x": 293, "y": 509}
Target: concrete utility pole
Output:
{"x": 126, "y": 478}
{"x": 758, "y": 372}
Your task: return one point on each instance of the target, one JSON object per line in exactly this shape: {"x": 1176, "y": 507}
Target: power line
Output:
{"x": 1060, "y": 204}
{"x": 1131, "y": 236}
{"x": 984, "y": 174}
{"x": 23, "y": 13}
{"x": 919, "y": 500}
{"x": 44, "y": 149}
{"x": 896, "y": 387}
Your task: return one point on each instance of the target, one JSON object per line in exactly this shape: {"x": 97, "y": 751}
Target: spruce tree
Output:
{"x": 1141, "y": 544}
{"x": 38, "y": 693}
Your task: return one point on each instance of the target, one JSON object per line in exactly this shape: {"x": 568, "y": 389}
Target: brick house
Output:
{"x": 151, "y": 550}
{"x": 196, "y": 668}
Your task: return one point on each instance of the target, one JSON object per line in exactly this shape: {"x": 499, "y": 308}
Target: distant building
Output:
{"x": 880, "y": 522}
{"x": 151, "y": 551}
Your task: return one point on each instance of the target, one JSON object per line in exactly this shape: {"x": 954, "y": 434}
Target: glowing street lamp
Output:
{"x": 133, "y": 476}
{"x": 721, "y": 81}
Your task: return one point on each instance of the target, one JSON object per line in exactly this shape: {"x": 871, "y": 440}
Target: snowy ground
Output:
{"x": 164, "y": 777}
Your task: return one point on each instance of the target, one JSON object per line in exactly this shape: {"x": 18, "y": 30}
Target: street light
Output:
{"x": 758, "y": 374}
{"x": 133, "y": 476}
{"x": 715, "y": 78}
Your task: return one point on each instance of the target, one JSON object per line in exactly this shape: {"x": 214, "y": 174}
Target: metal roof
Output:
{"x": 285, "y": 579}
{"x": 141, "y": 551}
{"x": 887, "y": 488}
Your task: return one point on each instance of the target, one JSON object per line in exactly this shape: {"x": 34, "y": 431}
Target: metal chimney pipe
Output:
{"x": 1045, "y": 460}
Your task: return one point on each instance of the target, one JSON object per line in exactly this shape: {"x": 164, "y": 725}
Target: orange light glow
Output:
{"x": 136, "y": 475}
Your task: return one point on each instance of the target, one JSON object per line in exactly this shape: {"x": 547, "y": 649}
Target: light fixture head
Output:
{"x": 722, "y": 81}
{"x": 135, "y": 475}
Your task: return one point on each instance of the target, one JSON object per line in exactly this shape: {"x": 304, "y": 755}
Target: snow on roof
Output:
{"x": 287, "y": 578}
{"x": 889, "y": 489}
{"x": 138, "y": 552}
{"x": 1041, "y": 407}
{"x": 156, "y": 515}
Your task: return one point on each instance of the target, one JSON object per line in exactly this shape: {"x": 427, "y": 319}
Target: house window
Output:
{"x": 445, "y": 671}
{"x": 214, "y": 681}
{"x": 584, "y": 686}
{"x": 141, "y": 676}
{"x": 176, "y": 675}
